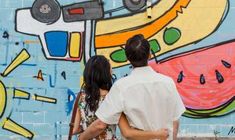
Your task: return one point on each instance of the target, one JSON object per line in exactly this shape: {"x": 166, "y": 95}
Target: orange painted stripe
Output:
{"x": 120, "y": 38}
{"x": 31, "y": 42}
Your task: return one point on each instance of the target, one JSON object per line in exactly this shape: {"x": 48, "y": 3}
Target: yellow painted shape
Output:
{"x": 124, "y": 23}
{"x": 3, "y": 98}
{"x": 16, "y": 128}
{"x": 21, "y": 94}
{"x": 120, "y": 38}
{"x": 199, "y": 19}
{"x": 44, "y": 99}
{"x": 75, "y": 41}
{"x": 23, "y": 56}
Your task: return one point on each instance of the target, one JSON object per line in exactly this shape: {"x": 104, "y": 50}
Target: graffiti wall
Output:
{"x": 44, "y": 45}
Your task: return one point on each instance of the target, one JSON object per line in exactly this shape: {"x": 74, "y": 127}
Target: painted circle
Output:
{"x": 3, "y": 99}
{"x": 46, "y": 11}
{"x": 171, "y": 35}
{"x": 134, "y": 5}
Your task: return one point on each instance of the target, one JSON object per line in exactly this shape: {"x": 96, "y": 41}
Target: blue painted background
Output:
{"x": 50, "y": 121}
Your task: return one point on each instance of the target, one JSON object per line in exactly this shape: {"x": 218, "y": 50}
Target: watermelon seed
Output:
{"x": 226, "y": 64}
{"x": 180, "y": 77}
{"x": 202, "y": 79}
{"x": 219, "y": 77}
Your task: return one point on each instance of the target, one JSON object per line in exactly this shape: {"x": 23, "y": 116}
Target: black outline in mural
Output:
{"x": 84, "y": 44}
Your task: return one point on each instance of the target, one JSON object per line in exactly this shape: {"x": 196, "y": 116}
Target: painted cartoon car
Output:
{"x": 61, "y": 37}
{"x": 65, "y": 32}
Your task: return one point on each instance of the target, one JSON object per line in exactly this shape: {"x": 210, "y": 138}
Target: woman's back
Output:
{"x": 88, "y": 116}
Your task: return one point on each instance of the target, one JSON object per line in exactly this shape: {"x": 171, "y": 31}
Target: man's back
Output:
{"x": 146, "y": 97}
{"x": 149, "y": 100}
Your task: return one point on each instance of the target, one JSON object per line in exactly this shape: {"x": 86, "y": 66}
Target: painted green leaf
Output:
{"x": 155, "y": 47}
{"x": 171, "y": 35}
{"x": 119, "y": 56}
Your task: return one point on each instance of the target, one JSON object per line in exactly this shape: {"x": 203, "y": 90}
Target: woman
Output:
{"x": 97, "y": 83}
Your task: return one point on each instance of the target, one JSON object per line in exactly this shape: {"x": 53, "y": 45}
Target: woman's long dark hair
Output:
{"x": 97, "y": 75}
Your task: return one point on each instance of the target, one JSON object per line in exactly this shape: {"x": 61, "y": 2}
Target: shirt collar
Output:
{"x": 145, "y": 69}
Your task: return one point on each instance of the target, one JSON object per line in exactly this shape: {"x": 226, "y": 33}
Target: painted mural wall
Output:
{"x": 44, "y": 45}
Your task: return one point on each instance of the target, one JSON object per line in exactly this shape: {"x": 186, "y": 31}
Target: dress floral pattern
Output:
{"x": 87, "y": 117}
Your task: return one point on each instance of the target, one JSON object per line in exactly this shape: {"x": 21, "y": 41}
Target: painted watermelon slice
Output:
{"x": 205, "y": 79}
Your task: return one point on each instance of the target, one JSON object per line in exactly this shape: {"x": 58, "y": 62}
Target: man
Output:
{"x": 149, "y": 100}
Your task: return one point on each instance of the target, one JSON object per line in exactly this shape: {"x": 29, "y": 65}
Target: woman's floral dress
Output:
{"x": 87, "y": 117}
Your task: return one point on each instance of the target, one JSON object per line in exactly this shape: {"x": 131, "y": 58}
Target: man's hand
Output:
{"x": 96, "y": 128}
{"x": 162, "y": 134}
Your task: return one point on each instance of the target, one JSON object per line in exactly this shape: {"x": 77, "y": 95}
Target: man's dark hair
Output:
{"x": 137, "y": 50}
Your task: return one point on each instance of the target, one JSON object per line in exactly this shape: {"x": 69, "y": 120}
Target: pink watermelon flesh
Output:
{"x": 206, "y": 78}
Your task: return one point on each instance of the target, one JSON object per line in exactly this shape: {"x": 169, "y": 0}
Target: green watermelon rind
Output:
{"x": 222, "y": 110}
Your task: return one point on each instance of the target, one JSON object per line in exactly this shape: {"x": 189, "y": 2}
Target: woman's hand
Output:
{"x": 162, "y": 134}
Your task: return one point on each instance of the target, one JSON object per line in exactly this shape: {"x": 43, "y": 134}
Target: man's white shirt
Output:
{"x": 149, "y": 100}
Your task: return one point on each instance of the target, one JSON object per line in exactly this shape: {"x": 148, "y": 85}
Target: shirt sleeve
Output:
{"x": 177, "y": 103}
{"x": 111, "y": 108}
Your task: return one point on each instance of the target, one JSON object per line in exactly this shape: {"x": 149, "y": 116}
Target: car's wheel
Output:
{"x": 46, "y": 11}
{"x": 134, "y": 5}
